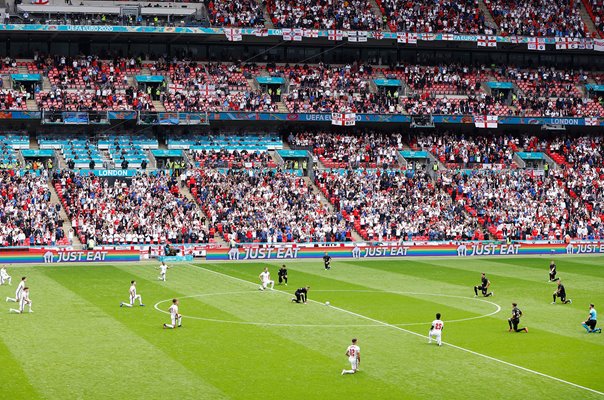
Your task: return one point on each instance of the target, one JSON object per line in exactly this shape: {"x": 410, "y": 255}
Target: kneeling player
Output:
{"x": 282, "y": 275}
{"x": 5, "y": 277}
{"x": 592, "y": 321}
{"x": 561, "y": 293}
{"x": 436, "y": 330}
{"x": 301, "y": 295}
{"x": 515, "y": 319}
{"x": 552, "y": 271}
{"x": 174, "y": 316}
{"x": 265, "y": 279}
{"x": 23, "y": 300}
{"x": 353, "y": 352}
{"x": 18, "y": 292}
{"x": 483, "y": 287}
{"x": 133, "y": 296}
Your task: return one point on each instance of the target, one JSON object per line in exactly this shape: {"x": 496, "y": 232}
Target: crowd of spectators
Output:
{"x": 524, "y": 204}
{"x": 543, "y": 81}
{"x": 324, "y": 14}
{"x": 267, "y": 206}
{"x": 398, "y": 205}
{"x": 242, "y": 13}
{"x": 58, "y": 99}
{"x": 597, "y": 14}
{"x": 538, "y": 17}
{"x": 235, "y": 159}
{"x": 570, "y": 106}
{"x": 147, "y": 209}
{"x": 200, "y": 100}
{"x": 440, "y": 79}
{"x": 13, "y": 100}
{"x": 468, "y": 151}
{"x": 364, "y": 149}
{"x": 445, "y": 16}
{"x": 27, "y": 215}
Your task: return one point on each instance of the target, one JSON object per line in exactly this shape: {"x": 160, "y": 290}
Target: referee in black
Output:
{"x": 301, "y": 295}
{"x": 515, "y": 319}
{"x": 282, "y": 275}
{"x": 327, "y": 261}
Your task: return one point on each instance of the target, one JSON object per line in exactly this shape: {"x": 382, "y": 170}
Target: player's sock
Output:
{"x": 347, "y": 371}
{"x": 126, "y": 305}
{"x": 12, "y": 310}
{"x": 586, "y": 327}
{"x": 169, "y": 326}
{"x": 475, "y": 291}
{"x": 11, "y": 299}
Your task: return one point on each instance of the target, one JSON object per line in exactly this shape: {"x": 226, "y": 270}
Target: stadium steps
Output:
{"x": 589, "y": 24}
{"x": 31, "y": 105}
{"x": 488, "y": 17}
{"x": 54, "y": 198}
{"x": 324, "y": 200}
{"x": 268, "y": 22}
{"x": 159, "y": 106}
{"x": 33, "y": 142}
{"x": 377, "y": 11}
{"x": 185, "y": 192}
{"x": 282, "y": 108}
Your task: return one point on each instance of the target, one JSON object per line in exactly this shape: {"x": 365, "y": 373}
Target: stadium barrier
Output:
{"x": 59, "y": 256}
{"x": 469, "y": 249}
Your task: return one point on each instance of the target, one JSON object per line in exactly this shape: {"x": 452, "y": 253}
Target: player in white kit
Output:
{"x": 353, "y": 352}
{"x": 174, "y": 316}
{"x": 163, "y": 268}
{"x": 4, "y": 276}
{"x": 23, "y": 300}
{"x": 133, "y": 296}
{"x": 18, "y": 292}
{"x": 265, "y": 279}
{"x": 436, "y": 330}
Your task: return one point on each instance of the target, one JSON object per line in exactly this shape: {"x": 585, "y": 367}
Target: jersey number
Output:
{"x": 438, "y": 326}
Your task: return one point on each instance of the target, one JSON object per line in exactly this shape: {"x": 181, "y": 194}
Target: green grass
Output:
{"x": 240, "y": 343}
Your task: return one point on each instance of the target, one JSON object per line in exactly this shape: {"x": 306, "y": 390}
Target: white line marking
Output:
{"x": 247, "y": 292}
{"x": 425, "y": 337}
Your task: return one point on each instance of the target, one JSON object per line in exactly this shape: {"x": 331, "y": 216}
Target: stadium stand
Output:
{"x": 129, "y": 213}
{"x": 28, "y": 216}
{"x": 434, "y": 16}
{"x": 538, "y": 17}
{"x": 265, "y": 206}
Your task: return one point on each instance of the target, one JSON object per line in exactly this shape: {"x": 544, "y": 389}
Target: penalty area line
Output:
{"x": 509, "y": 364}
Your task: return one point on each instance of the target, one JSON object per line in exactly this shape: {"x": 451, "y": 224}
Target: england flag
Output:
{"x": 486, "y": 41}
{"x": 233, "y": 34}
{"x": 536, "y": 44}
{"x": 310, "y": 33}
{"x": 592, "y": 121}
{"x": 343, "y": 119}
{"x": 335, "y": 34}
{"x": 485, "y": 121}
{"x": 406, "y": 37}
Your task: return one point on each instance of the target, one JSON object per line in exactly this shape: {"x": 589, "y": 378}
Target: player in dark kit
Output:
{"x": 301, "y": 295}
{"x": 515, "y": 319}
{"x": 561, "y": 293}
{"x": 483, "y": 287}
{"x": 327, "y": 261}
{"x": 282, "y": 275}
{"x": 552, "y": 271}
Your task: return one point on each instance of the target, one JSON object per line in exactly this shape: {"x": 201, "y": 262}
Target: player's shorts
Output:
{"x": 174, "y": 319}
{"x": 591, "y": 323}
{"x": 434, "y": 332}
{"x": 354, "y": 363}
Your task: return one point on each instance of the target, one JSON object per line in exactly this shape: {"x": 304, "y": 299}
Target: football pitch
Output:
{"x": 241, "y": 343}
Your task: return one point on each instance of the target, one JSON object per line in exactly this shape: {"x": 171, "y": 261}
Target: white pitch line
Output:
{"x": 424, "y": 337}
{"x": 498, "y": 308}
